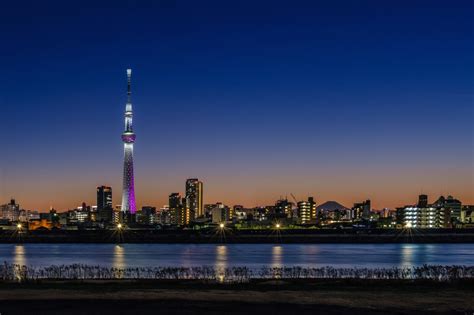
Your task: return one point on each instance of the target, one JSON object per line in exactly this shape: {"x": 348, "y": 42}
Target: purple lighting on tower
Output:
{"x": 128, "y": 138}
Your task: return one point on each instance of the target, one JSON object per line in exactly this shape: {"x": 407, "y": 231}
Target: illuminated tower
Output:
{"x": 128, "y": 138}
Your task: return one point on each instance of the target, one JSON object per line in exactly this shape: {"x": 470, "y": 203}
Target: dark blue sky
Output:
{"x": 342, "y": 100}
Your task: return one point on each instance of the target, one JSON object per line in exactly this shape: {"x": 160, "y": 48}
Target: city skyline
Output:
{"x": 355, "y": 108}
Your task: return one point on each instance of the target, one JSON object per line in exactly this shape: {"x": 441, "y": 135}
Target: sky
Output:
{"x": 340, "y": 100}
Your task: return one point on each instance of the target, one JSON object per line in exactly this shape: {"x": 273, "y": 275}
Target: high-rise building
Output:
{"x": 307, "y": 211}
{"x": 194, "y": 202}
{"x": 361, "y": 210}
{"x": 128, "y": 138}
{"x": 177, "y": 209}
{"x": 104, "y": 197}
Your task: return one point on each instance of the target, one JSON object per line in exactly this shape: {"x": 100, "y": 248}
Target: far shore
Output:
{"x": 243, "y": 236}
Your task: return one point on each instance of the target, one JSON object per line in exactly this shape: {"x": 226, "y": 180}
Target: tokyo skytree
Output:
{"x": 128, "y": 138}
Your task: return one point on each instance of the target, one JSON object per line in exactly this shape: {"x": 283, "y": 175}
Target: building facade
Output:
{"x": 10, "y": 211}
{"x": 220, "y": 213}
{"x": 424, "y": 215}
{"x": 307, "y": 211}
{"x": 361, "y": 210}
{"x": 179, "y": 214}
{"x": 194, "y": 198}
{"x": 104, "y": 197}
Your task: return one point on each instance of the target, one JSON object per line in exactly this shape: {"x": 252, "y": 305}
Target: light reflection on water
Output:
{"x": 119, "y": 257}
{"x": 230, "y": 255}
{"x": 407, "y": 255}
{"x": 221, "y": 261}
{"x": 19, "y": 255}
{"x": 277, "y": 256}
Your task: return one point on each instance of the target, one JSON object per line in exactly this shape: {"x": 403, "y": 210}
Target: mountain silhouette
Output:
{"x": 331, "y": 206}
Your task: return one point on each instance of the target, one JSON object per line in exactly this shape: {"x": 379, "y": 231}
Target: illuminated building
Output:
{"x": 220, "y": 213}
{"x": 307, "y": 211}
{"x": 148, "y": 215}
{"x": 430, "y": 216}
{"x": 467, "y": 214}
{"x": 361, "y": 210}
{"x": 10, "y": 211}
{"x": 452, "y": 205}
{"x": 194, "y": 201}
{"x": 104, "y": 197}
{"x": 235, "y": 209}
{"x": 82, "y": 216}
{"x": 164, "y": 215}
{"x": 41, "y": 224}
{"x": 283, "y": 209}
{"x": 128, "y": 138}
{"x": 177, "y": 210}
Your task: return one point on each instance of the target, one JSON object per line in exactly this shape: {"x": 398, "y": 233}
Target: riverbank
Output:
{"x": 297, "y": 296}
{"x": 290, "y": 236}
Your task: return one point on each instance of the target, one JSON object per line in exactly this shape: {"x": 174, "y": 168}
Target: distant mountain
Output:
{"x": 331, "y": 206}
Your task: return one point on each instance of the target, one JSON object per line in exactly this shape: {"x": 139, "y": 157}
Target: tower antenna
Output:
{"x": 129, "y": 85}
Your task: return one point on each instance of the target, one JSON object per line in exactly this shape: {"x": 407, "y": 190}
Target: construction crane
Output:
{"x": 294, "y": 198}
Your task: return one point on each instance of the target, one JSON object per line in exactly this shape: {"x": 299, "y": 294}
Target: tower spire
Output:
{"x": 129, "y": 85}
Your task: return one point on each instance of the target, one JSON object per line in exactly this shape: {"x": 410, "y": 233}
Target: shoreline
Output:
{"x": 243, "y": 236}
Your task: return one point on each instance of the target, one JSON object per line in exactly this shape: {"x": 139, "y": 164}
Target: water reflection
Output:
{"x": 19, "y": 255}
{"x": 277, "y": 256}
{"x": 230, "y": 255}
{"x": 119, "y": 257}
{"x": 187, "y": 257}
{"x": 407, "y": 255}
{"x": 221, "y": 262}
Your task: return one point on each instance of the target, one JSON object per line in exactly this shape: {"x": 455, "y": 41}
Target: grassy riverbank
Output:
{"x": 296, "y": 296}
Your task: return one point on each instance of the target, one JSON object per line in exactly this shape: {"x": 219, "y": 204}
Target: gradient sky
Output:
{"x": 341, "y": 100}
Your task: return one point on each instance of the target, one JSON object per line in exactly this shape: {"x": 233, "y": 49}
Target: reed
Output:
{"x": 21, "y": 273}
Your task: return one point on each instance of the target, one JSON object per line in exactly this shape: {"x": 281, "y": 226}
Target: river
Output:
{"x": 250, "y": 255}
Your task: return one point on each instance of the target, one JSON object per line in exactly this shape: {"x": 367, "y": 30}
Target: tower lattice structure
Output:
{"x": 128, "y": 138}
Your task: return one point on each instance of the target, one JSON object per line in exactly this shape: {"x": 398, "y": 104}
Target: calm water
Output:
{"x": 250, "y": 255}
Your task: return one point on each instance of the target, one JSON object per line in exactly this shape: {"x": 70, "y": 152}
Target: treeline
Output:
{"x": 21, "y": 273}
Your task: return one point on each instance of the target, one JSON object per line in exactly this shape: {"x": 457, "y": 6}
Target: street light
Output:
{"x": 277, "y": 225}
{"x": 19, "y": 226}
{"x": 119, "y": 226}
{"x": 221, "y": 225}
